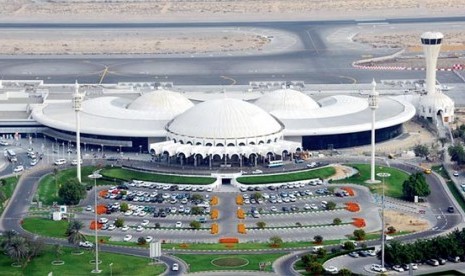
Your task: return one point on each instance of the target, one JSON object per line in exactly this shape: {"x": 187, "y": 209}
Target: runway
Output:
{"x": 319, "y": 58}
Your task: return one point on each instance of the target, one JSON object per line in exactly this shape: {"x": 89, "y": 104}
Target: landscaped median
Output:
{"x": 128, "y": 175}
{"x": 322, "y": 173}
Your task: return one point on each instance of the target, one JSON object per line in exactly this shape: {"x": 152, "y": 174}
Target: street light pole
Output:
{"x": 383, "y": 175}
{"x": 95, "y": 175}
{"x": 111, "y": 269}
{"x": 77, "y": 100}
{"x": 373, "y": 103}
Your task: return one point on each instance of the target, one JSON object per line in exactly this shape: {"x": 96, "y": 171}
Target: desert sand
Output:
{"x": 145, "y": 42}
{"x": 405, "y": 222}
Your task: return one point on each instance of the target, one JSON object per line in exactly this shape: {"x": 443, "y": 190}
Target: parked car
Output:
{"x": 178, "y": 224}
{"x": 451, "y": 209}
{"x": 354, "y": 254}
{"x": 398, "y": 268}
{"x": 18, "y": 169}
{"x": 127, "y": 238}
{"x": 86, "y": 244}
{"x": 456, "y": 173}
{"x": 378, "y": 268}
{"x": 432, "y": 262}
{"x": 149, "y": 239}
{"x": 331, "y": 269}
{"x": 60, "y": 162}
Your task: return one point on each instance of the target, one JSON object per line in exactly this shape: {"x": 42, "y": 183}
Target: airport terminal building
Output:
{"x": 201, "y": 126}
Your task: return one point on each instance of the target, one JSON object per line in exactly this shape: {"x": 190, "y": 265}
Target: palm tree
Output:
{"x": 74, "y": 232}
{"x": 58, "y": 251}
{"x": 8, "y": 236}
{"x": 17, "y": 249}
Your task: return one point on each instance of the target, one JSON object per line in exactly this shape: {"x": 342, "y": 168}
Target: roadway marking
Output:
{"x": 313, "y": 43}
{"x": 354, "y": 81}
{"x": 233, "y": 81}
{"x": 105, "y": 71}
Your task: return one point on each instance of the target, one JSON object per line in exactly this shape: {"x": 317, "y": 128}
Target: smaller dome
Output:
{"x": 162, "y": 101}
{"x": 287, "y": 103}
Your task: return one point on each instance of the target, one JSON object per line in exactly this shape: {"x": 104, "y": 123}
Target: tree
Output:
{"x": 391, "y": 229}
{"x": 421, "y": 151}
{"x": 359, "y": 234}
{"x": 119, "y": 222}
{"x": 141, "y": 241}
{"x": 457, "y": 154}
{"x": 318, "y": 239}
{"x": 7, "y": 238}
{"x": 261, "y": 224}
{"x": 17, "y": 250}
{"x": 276, "y": 241}
{"x": 337, "y": 221}
{"x": 257, "y": 196}
{"x": 321, "y": 252}
{"x": 157, "y": 225}
{"x": 195, "y": 224}
{"x": 124, "y": 207}
{"x": 331, "y": 205}
{"x": 73, "y": 232}
{"x": 197, "y": 197}
{"x": 315, "y": 268}
{"x": 197, "y": 210}
{"x": 58, "y": 251}
{"x": 72, "y": 192}
{"x": 348, "y": 245}
{"x": 415, "y": 185}
{"x": 344, "y": 272}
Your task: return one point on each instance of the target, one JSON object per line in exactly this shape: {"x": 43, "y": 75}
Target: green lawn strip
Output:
{"x": 393, "y": 183}
{"x": 80, "y": 264}
{"x": 451, "y": 185}
{"x": 8, "y": 189}
{"x": 127, "y": 175}
{"x": 45, "y": 227}
{"x": 302, "y": 226}
{"x": 201, "y": 262}
{"x": 287, "y": 177}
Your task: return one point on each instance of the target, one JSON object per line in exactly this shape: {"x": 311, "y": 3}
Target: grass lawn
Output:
{"x": 203, "y": 262}
{"x": 80, "y": 265}
{"x": 48, "y": 187}
{"x": 287, "y": 177}
{"x": 8, "y": 189}
{"x": 127, "y": 175}
{"x": 393, "y": 183}
{"x": 451, "y": 185}
{"x": 46, "y": 227}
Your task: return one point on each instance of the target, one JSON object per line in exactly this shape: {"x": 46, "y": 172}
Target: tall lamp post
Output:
{"x": 373, "y": 103}
{"x": 77, "y": 104}
{"x": 383, "y": 175}
{"x": 95, "y": 175}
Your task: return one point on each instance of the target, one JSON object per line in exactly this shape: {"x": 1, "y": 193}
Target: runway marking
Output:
{"x": 233, "y": 81}
{"x": 313, "y": 43}
{"x": 105, "y": 71}
{"x": 354, "y": 81}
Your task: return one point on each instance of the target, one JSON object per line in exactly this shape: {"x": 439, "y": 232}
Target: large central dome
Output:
{"x": 224, "y": 119}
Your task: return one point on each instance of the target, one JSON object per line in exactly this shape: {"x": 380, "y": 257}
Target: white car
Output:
{"x": 175, "y": 267}
{"x": 274, "y": 209}
{"x": 60, "y": 162}
{"x": 398, "y": 268}
{"x": 127, "y": 238}
{"x": 125, "y": 228}
{"x": 307, "y": 207}
{"x": 102, "y": 220}
{"x": 456, "y": 173}
{"x": 33, "y": 162}
{"x": 18, "y": 169}
{"x": 111, "y": 227}
{"x": 331, "y": 269}
{"x": 149, "y": 239}
{"x": 74, "y": 162}
{"x": 378, "y": 268}
{"x": 86, "y": 244}
{"x": 128, "y": 212}
{"x": 178, "y": 224}
{"x": 4, "y": 143}
{"x": 209, "y": 189}
{"x": 145, "y": 222}
{"x": 257, "y": 171}
{"x": 139, "y": 228}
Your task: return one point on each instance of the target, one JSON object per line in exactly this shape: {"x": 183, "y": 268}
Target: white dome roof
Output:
{"x": 286, "y": 100}
{"x": 224, "y": 118}
{"x": 162, "y": 101}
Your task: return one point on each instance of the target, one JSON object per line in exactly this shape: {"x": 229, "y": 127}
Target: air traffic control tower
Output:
{"x": 434, "y": 105}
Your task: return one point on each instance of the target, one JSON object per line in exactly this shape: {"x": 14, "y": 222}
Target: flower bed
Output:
{"x": 359, "y": 222}
{"x": 102, "y": 193}
{"x": 241, "y": 228}
{"x": 101, "y": 209}
{"x": 214, "y": 229}
{"x": 214, "y": 201}
{"x": 229, "y": 240}
{"x": 214, "y": 214}
{"x": 239, "y": 200}
{"x": 240, "y": 214}
{"x": 93, "y": 223}
{"x": 352, "y": 206}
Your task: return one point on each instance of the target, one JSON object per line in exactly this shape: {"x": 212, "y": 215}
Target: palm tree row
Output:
{"x": 451, "y": 245}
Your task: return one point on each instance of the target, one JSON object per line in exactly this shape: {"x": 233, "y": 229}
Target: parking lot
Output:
{"x": 292, "y": 211}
